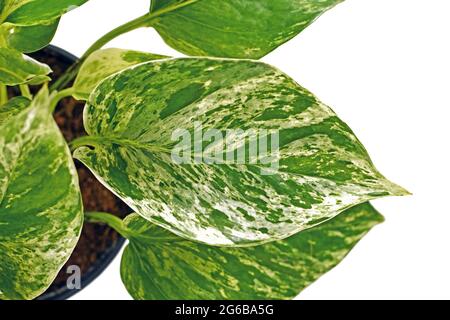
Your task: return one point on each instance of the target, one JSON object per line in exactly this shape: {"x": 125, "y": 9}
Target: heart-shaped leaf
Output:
{"x": 158, "y": 266}
{"x": 40, "y": 203}
{"x": 142, "y": 119}
{"x": 33, "y": 12}
{"x": 103, "y": 63}
{"x": 17, "y": 68}
{"x": 233, "y": 28}
{"x": 29, "y": 38}
{"x": 13, "y": 107}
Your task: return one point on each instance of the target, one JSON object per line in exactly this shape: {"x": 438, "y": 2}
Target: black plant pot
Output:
{"x": 98, "y": 244}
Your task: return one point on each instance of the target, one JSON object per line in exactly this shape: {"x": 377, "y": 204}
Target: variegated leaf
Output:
{"x": 158, "y": 266}
{"x": 40, "y": 203}
{"x": 103, "y": 63}
{"x": 34, "y": 12}
{"x": 28, "y": 38}
{"x": 29, "y": 25}
{"x": 17, "y": 68}
{"x": 233, "y": 28}
{"x": 13, "y": 107}
{"x": 134, "y": 119}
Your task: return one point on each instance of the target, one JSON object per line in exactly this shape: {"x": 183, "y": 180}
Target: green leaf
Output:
{"x": 33, "y": 12}
{"x": 103, "y": 63}
{"x": 13, "y": 107}
{"x": 29, "y": 38}
{"x": 29, "y": 25}
{"x": 16, "y": 68}
{"x": 131, "y": 118}
{"x": 233, "y": 28}
{"x": 40, "y": 202}
{"x": 156, "y": 5}
{"x": 157, "y": 266}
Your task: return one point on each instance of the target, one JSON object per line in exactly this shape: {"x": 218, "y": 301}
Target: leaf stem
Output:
{"x": 72, "y": 72}
{"x": 25, "y": 91}
{"x": 67, "y": 77}
{"x": 3, "y": 94}
{"x": 127, "y": 27}
{"x": 140, "y": 22}
{"x": 109, "y": 219}
{"x": 60, "y": 95}
{"x": 84, "y": 141}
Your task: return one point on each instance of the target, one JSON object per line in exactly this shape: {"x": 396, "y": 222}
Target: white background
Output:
{"x": 384, "y": 67}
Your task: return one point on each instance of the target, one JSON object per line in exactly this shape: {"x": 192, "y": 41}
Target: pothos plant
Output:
{"x": 199, "y": 230}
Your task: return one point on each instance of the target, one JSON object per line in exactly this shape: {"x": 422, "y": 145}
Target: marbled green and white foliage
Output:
{"x": 158, "y": 265}
{"x": 17, "y": 68}
{"x": 27, "y": 38}
{"x": 131, "y": 118}
{"x": 41, "y": 212}
{"x": 13, "y": 107}
{"x": 233, "y": 28}
{"x": 27, "y": 26}
{"x": 103, "y": 63}
{"x": 35, "y": 12}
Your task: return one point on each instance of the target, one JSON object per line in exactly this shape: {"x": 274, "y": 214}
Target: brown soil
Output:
{"x": 95, "y": 239}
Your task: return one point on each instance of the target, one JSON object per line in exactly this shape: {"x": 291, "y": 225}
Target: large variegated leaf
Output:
{"x": 34, "y": 12}
{"x": 233, "y": 28}
{"x": 28, "y": 38}
{"x": 157, "y": 265}
{"x": 134, "y": 119}
{"x": 103, "y": 63}
{"x": 40, "y": 203}
{"x": 17, "y": 68}
{"x": 13, "y": 107}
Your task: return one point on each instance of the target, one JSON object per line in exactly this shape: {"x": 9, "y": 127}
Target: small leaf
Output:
{"x": 233, "y": 28}
{"x": 29, "y": 38}
{"x": 40, "y": 202}
{"x": 103, "y": 63}
{"x": 13, "y": 107}
{"x": 155, "y": 266}
{"x": 33, "y": 12}
{"x": 29, "y": 25}
{"x": 16, "y": 68}
{"x": 135, "y": 117}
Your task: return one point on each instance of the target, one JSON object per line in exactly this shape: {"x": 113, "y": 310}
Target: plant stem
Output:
{"x": 84, "y": 141}
{"x": 68, "y": 76}
{"x": 109, "y": 219}
{"x": 25, "y": 91}
{"x": 127, "y": 27}
{"x": 140, "y": 22}
{"x": 72, "y": 72}
{"x": 60, "y": 95}
{"x": 3, "y": 94}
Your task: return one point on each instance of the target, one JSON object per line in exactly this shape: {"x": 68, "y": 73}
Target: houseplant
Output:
{"x": 98, "y": 244}
{"x": 243, "y": 184}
